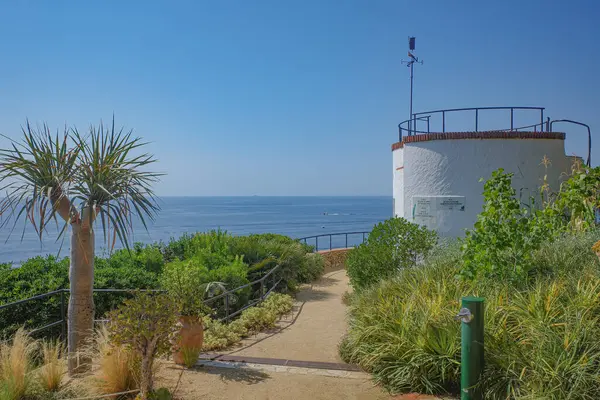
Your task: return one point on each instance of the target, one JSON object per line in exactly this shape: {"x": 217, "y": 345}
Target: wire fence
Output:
{"x": 45, "y": 315}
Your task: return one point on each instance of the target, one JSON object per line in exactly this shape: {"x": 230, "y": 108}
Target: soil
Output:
{"x": 208, "y": 383}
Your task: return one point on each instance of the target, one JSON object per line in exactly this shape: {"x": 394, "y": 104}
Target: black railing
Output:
{"x": 330, "y": 241}
{"x": 53, "y": 312}
{"x": 410, "y": 126}
{"x": 589, "y": 132}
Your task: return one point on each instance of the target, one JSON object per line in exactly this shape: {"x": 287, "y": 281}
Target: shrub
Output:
{"x": 579, "y": 198}
{"x": 113, "y": 275}
{"x": 393, "y": 245}
{"x": 233, "y": 275}
{"x": 256, "y": 319}
{"x": 176, "y": 249}
{"x": 541, "y": 338}
{"x": 46, "y": 274}
{"x": 265, "y": 251}
{"x": 311, "y": 269}
{"x": 35, "y": 276}
{"x": 215, "y": 242}
{"x": 219, "y": 335}
{"x": 507, "y": 235}
{"x": 16, "y": 366}
{"x": 54, "y": 365}
{"x": 160, "y": 394}
{"x": 503, "y": 241}
{"x": 279, "y": 304}
{"x": 186, "y": 283}
{"x": 145, "y": 257}
{"x": 335, "y": 259}
{"x": 145, "y": 324}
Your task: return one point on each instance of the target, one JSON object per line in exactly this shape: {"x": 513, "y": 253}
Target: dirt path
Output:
{"x": 313, "y": 331}
{"x": 223, "y": 384}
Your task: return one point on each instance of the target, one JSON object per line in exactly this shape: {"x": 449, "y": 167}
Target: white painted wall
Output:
{"x": 454, "y": 168}
{"x": 398, "y": 186}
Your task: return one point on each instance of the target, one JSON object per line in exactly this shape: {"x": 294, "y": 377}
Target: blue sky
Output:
{"x": 289, "y": 97}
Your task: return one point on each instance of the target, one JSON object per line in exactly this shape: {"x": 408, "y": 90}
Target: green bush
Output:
{"x": 506, "y": 235}
{"x": 40, "y": 275}
{"x": 256, "y": 319}
{"x": 312, "y": 268}
{"x": 393, "y": 245}
{"x": 146, "y": 324}
{"x": 541, "y": 338}
{"x": 219, "y": 335}
{"x": 35, "y": 276}
{"x": 279, "y": 304}
{"x": 186, "y": 282}
{"x": 190, "y": 260}
{"x": 265, "y": 251}
{"x": 189, "y": 245}
{"x": 579, "y": 197}
{"x": 112, "y": 275}
{"x": 147, "y": 258}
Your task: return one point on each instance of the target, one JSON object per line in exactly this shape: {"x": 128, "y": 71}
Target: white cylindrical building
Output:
{"x": 437, "y": 176}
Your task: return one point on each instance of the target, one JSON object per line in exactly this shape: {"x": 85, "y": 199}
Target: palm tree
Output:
{"x": 74, "y": 180}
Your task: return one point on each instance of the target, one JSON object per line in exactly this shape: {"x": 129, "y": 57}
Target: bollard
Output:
{"x": 472, "y": 357}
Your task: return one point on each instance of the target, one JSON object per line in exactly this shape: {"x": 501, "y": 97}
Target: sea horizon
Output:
{"x": 294, "y": 216}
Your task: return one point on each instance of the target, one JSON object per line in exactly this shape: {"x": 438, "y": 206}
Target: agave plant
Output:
{"x": 75, "y": 180}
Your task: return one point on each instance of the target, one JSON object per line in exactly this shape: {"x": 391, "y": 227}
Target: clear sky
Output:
{"x": 286, "y": 97}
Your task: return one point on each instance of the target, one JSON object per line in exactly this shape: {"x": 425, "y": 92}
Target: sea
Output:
{"x": 297, "y": 217}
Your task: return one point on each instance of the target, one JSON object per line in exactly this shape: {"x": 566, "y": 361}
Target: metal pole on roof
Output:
{"x": 412, "y": 122}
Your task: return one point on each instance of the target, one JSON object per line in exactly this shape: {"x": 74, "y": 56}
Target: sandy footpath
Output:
{"x": 209, "y": 383}
{"x": 310, "y": 333}
{"x": 314, "y": 329}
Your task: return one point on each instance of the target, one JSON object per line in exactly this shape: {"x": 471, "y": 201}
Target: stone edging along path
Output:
{"x": 280, "y": 362}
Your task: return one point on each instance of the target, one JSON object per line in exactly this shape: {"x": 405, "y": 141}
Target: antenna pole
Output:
{"x": 412, "y": 122}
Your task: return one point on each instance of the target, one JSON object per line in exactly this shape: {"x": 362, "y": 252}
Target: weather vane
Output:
{"x": 410, "y": 63}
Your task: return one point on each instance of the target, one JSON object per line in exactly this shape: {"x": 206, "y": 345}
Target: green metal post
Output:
{"x": 472, "y": 357}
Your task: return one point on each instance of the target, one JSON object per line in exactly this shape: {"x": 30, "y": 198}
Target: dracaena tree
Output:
{"x": 74, "y": 181}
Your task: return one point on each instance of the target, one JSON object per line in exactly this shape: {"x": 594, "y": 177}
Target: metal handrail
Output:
{"x": 226, "y": 295}
{"x": 570, "y": 121}
{"x": 409, "y": 125}
{"x": 330, "y": 236}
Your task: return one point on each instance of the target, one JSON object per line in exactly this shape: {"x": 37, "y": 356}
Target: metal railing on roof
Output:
{"x": 410, "y": 126}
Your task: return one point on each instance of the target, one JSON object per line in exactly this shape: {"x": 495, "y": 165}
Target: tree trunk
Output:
{"x": 147, "y": 381}
{"x": 81, "y": 301}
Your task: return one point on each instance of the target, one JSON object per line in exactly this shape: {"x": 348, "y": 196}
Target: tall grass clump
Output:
{"x": 54, "y": 366}
{"x": 402, "y": 329}
{"x": 542, "y": 337}
{"x": 16, "y": 365}
{"x": 116, "y": 368}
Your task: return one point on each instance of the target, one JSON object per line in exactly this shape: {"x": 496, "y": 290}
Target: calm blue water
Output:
{"x": 293, "y": 216}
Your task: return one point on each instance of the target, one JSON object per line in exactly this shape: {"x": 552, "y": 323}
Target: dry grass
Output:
{"x": 116, "y": 369}
{"x": 54, "y": 368}
{"x": 16, "y": 365}
{"x": 334, "y": 259}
